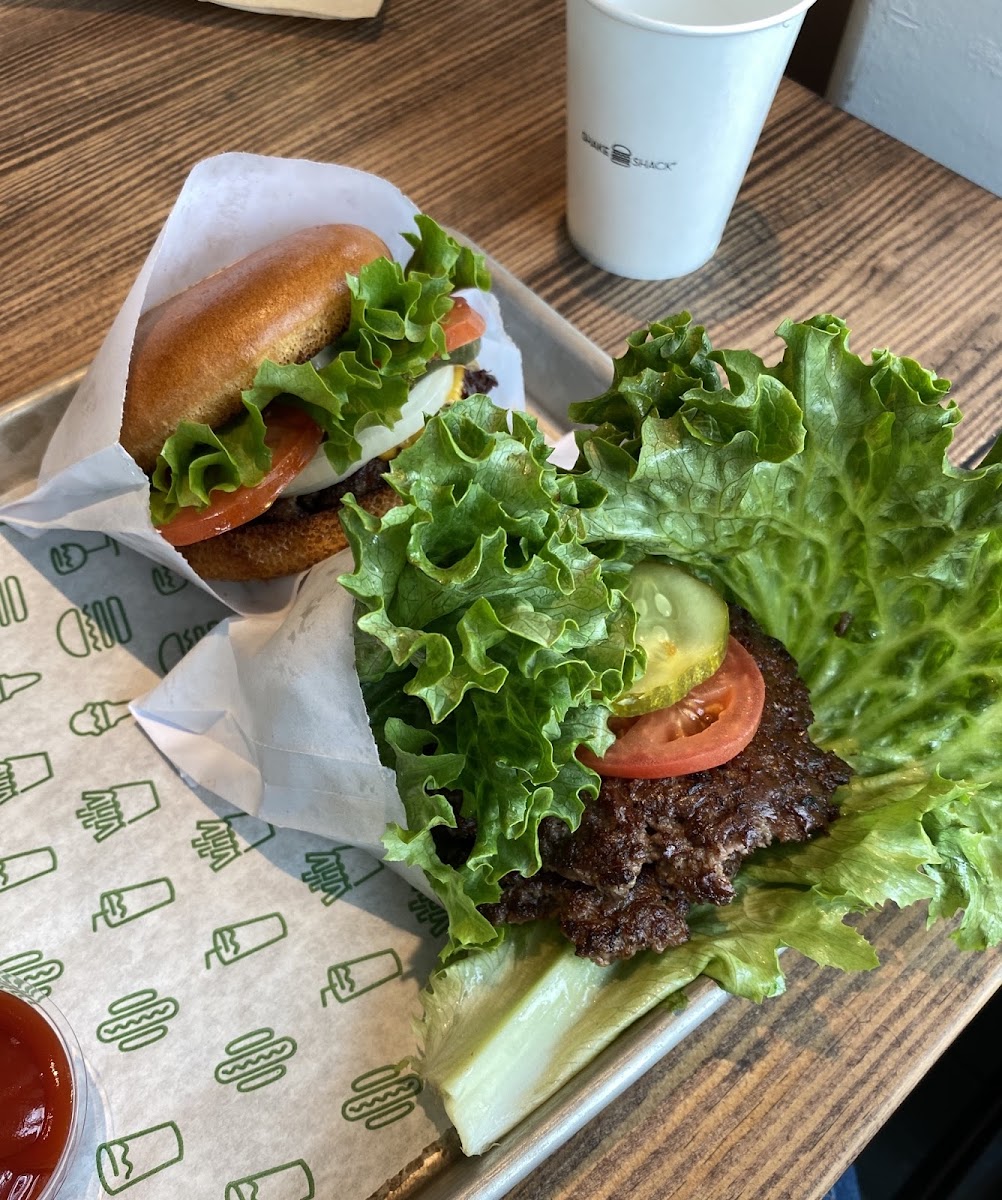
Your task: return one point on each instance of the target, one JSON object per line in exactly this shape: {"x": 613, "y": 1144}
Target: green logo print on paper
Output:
{"x": 98, "y": 716}
{"x": 255, "y": 1059}
{"x": 166, "y": 582}
{"x": 233, "y": 942}
{"x": 105, "y": 811}
{"x": 33, "y": 971}
{"x": 381, "y": 1096}
{"x": 137, "y": 1020}
{"x": 223, "y": 840}
{"x": 122, "y": 905}
{"x": 16, "y": 869}
{"x": 19, "y": 773}
{"x": 127, "y": 1160}
{"x": 13, "y": 606}
{"x": 336, "y": 871}
{"x": 68, "y": 557}
{"x": 10, "y": 685}
{"x": 95, "y": 626}
{"x": 290, "y": 1181}
{"x": 174, "y": 646}
{"x": 350, "y": 979}
{"x": 428, "y": 913}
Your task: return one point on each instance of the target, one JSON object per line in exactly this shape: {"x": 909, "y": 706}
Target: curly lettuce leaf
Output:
{"x": 877, "y": 564}
{"x": 817, "y": 493}
{"x": 490, "y": 642}
{"x": 394, "y": 331}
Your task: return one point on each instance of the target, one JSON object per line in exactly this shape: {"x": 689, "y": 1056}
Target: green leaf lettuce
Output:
{"x": 493, "y": 633}
{"x": 395, "y": 330}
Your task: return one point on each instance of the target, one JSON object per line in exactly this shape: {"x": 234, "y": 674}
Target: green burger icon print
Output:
{"x": 93, "y": 627}
{"x": 68, "y": 557}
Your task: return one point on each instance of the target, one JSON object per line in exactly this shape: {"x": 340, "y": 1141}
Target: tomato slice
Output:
{"x": 293, "y": 438}
{"x": 712, "y": 724}
{"x": 462, "y": 324}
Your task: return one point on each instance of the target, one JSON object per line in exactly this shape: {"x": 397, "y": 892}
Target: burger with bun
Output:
{"x": 261, "y": 394}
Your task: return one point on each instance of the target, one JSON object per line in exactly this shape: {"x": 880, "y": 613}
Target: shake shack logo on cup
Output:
{"x": 622, "y": 156}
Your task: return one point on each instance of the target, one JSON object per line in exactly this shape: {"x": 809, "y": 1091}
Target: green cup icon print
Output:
{"x": 290, "y": 1181}
{"x": 13, "y": 606}
{"x": 19, "y": 773}
{"x": 16, "y": 869}
{"x": 98, "y": 716}
{"x": 382, "y": 1096}
{"x": 126, "y": 1161}
{"x": 255, "y": 1060}
{"x": 353, "y": 978}
{"x": 105, "y": 811}
{"x": 68, "y": 557}
{"x": 230, "y": 943}
{"x": 33, "y": 971}
{"x": 93, "y": 627}
{"x": 137, "y": 1020}
{"x": 10, "y": 685}
{"x": 121, "y": 905}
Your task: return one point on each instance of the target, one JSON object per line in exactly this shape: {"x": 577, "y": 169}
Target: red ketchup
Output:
{"x": 36, "y": 1099}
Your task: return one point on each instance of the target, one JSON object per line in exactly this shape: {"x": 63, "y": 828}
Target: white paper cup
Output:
{"x": 665, "y": 102}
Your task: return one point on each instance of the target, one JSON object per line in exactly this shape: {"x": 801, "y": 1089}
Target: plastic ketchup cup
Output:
{"x": 42, "y": 1095}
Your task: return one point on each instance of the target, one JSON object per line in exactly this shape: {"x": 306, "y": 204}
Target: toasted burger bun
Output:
{"x": 194, "y": 353}
{"x": 271, "y": 549}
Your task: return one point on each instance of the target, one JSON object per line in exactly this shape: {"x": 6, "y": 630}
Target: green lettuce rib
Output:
{"x": 817, "y": 493}
{"x": 395, "y": 330}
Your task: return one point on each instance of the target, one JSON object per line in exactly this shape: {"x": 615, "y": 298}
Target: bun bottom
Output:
{"x": 271, "y": 549}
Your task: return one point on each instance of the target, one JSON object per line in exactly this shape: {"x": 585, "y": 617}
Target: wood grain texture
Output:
{"x": 107, "y": 103}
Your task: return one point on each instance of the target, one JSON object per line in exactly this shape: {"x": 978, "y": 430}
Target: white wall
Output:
{"x": 929, "y": 73}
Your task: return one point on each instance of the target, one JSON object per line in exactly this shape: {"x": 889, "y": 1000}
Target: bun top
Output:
{"x": 194, "y": 353}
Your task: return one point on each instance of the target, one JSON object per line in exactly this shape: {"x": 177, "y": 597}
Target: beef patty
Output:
{"x": 648, "y": 849}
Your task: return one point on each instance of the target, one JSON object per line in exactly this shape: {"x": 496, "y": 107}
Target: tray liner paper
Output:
{"x": 230, "y": 205}
{"x": 241, "y": 992}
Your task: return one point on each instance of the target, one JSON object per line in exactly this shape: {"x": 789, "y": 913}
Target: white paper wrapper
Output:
{"x": 325, "y": 9}
{"x": 241, "y": 993}
{"x": 229, "y": 206}
{"x": 267, "y": 713}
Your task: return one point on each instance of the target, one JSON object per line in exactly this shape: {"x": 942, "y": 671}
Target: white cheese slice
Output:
{"x": 431, "y": 392}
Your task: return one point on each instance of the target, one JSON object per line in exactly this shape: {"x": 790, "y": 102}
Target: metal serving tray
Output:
{"x": 560, "y": 365}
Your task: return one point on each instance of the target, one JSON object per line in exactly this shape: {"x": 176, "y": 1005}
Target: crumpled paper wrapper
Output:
{"x": 229, "y": 205}
{"x": 344, "y": 10}
{"x": 267, "y": 714}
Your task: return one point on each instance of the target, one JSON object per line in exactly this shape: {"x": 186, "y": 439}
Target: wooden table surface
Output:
{"x": 107, "y": 103}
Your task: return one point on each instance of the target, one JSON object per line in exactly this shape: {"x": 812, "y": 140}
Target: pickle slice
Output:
{"x": 683, "y": 626}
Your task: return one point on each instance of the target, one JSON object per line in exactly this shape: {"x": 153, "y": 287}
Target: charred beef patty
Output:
{"x": 648, "y": 849}
{"x": 368, "y": 478}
